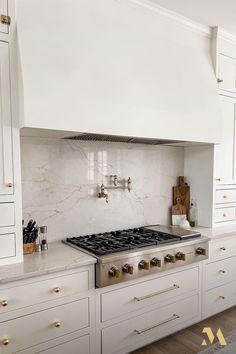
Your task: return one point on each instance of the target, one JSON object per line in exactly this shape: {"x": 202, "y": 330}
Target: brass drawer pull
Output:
{"x": 172, "y": 318}
{"x": 156, "y": 293}
{"x": 218, "y": 179}
{"x": 220, "y": 81}
{"x": 222, "y": 248}
{"x": 10, "y": 185}
{"x": 57, "y": 324}
{"x": 225, "y": 196}
{"x": 57, "y": 290}
{"x": 221, "y": 297}
{"x": 5, "y": 341}
{"x": 225, "y": 215}
{"x": 4, "y": 303}
{"x": 5, "y": 20}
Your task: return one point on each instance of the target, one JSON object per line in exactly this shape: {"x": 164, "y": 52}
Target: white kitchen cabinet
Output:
{"x": 168, "y": 302}
{"x": 6, "y": 162}
{"x": 225, "y": 157}
{"x": 58, "y": 318}
{"x": 3, "y": 11}
{"x": 219, "y": 277}
{"x": 227, "y": 73}
{"x": 78, "y": 346}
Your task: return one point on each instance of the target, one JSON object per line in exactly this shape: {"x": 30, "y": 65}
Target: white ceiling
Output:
{"x": 208, "y": 12}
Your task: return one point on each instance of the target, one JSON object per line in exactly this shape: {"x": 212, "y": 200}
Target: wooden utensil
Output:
{"x": 182, "y": 191}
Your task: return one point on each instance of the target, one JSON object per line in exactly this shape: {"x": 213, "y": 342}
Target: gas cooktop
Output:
{"x": 132, "y": 253}
{"x": 124, "y": 240}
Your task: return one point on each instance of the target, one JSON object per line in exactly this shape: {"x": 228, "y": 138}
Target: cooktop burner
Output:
{"x": 121, "y": 240}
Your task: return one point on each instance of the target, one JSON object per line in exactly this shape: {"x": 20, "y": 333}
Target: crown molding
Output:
{"x": 185, "y": 21}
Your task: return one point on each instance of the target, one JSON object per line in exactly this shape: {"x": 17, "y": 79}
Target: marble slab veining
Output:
{"x": 59, "y": 257}
{"x": 60, "y": 180}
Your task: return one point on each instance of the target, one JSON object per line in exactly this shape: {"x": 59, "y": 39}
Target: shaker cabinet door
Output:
{"x": 225, "y": 152}
{"x": 4, "y": 12}
{"x": 6, "y": 160}
{"x": 227, "y": 73}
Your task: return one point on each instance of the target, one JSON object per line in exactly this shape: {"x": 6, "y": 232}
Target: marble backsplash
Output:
{"x": 60, "y": 180}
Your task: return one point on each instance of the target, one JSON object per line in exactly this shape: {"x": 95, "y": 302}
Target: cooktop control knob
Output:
{"x": 180, "y": 256}
{"x": 144, "y": 265}
{"x": 201, "y": 251}
{"x": 155, "y": 262}
{"x": 114, "y": 272}
{"x": 169, "y": 258}
{"x": 128, "y": 268}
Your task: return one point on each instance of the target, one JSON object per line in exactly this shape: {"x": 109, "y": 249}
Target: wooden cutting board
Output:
{"x": 182, "y": 191}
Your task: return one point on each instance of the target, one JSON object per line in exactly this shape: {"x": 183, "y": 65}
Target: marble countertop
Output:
{"x": 217, "y": 232}
{"x": 59, "y": 257}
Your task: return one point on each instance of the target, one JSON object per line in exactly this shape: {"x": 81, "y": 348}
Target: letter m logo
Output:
{"x": 211, "y": 337}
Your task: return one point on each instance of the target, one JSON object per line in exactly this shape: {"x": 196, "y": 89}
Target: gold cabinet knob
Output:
{"x": 57, "y": 289}
{"x": 225, "y": 215}
{"x": 10, "y": 185}
{"x": 222, "y": 248}
{"x": 221, "y": 297}
{"x": 225, "y": 196}
{"x": 57, "y": 324}
{"x": 220, "y": 81}
{"x": 5, "y": 341}
{"x": 222, "y": 271}
{"x": 4, "y": 303}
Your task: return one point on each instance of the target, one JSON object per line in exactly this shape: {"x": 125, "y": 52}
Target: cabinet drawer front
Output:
{"x": 225, "y": 196}
{"x": 225, "y": 214}
{"x": 78, "y": 346}
{"x": 7, "y": 245}
{"x": 44, "y": 290}
{"x": 42, "y": 326}
{"x": 220, "y": 272}
{"x": 152, "y": 325}
{"x": 7, "y": 214}
{"x": 222, "y": 249}
{"x": 220, "y": 298}
{"x": 131, "y": 298}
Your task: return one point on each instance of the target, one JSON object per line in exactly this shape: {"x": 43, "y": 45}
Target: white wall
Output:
{"x": 60, "y": 184}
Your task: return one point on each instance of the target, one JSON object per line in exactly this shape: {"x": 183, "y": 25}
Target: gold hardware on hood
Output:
{"x": 5, "y": 20}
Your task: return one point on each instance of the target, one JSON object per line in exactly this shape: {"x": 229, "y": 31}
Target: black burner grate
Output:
{"x": 121, "y": 240}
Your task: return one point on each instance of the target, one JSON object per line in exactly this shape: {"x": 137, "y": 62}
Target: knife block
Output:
{"x": 29, "y": 248}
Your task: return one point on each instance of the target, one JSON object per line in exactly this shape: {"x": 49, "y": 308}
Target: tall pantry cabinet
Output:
{"x": 224, "y": 210}
{"x": 10, "y": 183}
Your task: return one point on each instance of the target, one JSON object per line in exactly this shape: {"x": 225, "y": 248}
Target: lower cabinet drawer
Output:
{"x": 220, "y": 272}
{"x": 7, "y": 245}
{"x": 225, "y": 196}
{"x": 150, "y": 325}
{"x": 159, "y": 290}
{"x": 27, "y": 331}
{"x": 75, "y": 346}
{"x": 219, "y": 299}
{"x": 7, "y": 214}
{"x": 225, "y": 214}
{"x": 222, "y": 249}
{"x": 36, "y": 292}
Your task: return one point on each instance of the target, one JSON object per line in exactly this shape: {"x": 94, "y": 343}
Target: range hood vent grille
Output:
{"x": 121, "y": 139}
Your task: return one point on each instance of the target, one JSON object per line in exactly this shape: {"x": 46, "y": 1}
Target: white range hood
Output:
{"x": 114, "y": 67}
